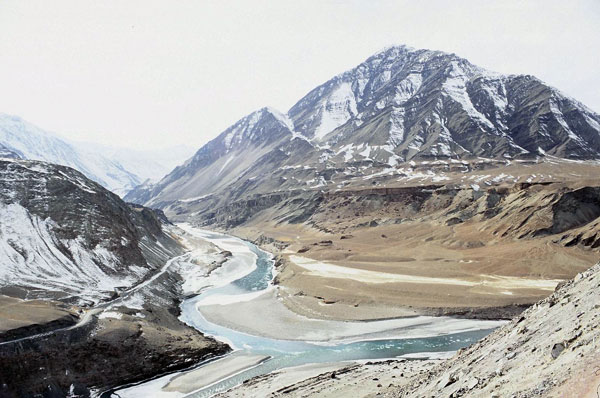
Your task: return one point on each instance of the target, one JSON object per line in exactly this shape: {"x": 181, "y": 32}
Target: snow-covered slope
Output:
{"x": 31, "y": 142}
{"x": 398, "y": 106}
{"x": 149, "y": 165}
{"x": 225, "y": 159}
{"x": 8, "y": 153}
{"x": 405, "y": 104}
{"x": 64, "y": 236}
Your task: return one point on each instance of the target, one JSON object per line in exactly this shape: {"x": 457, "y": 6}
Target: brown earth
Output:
{"x": 21, "y": 318}
{"x": 511, "y": 242}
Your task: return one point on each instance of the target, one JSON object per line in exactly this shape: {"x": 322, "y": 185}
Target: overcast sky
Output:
{"x": 151, "y": 73}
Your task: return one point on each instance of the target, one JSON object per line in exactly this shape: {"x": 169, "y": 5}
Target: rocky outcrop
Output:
{"x": 571, "y": 216}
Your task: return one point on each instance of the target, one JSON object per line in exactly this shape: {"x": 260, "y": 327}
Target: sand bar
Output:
{"x": 327, "y": 270}
{"x": 278, "y": 322}
{"x": 213, "y": 372}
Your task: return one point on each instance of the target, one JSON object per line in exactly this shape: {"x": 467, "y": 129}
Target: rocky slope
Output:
{"x": 571, "y": 215}
{"x": 550, "y": 350}
{"x": 399, "y": 106}
{"x": 63, "y": 236}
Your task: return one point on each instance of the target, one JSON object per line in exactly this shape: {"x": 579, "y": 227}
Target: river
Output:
{"x": 247, "y": 275}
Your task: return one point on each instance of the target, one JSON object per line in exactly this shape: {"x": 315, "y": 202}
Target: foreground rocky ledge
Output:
{"x": 101, "y": 355}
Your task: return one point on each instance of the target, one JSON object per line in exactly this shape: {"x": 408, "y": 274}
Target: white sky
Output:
{"x": 153, "y": 73}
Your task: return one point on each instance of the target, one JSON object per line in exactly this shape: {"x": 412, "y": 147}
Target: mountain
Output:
{"x": 8, "y": 153}
{"x": 399, "y": 106}
{"x": 246, "y": 144}
{"x": 63, "y": 236}
{"x": 30, "y": 142}
{"x": 88, "y": 282}
{"x": 147, "y": 165}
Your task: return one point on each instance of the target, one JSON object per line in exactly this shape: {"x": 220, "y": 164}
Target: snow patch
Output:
{"x": 32, "y": 259}
{"x": 455, "y": 87}
{"x": 408, "y": 87}
{"x": 336, "y": 110}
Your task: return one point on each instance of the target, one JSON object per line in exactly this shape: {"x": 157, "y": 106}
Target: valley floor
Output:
{"x": 407, "y": 270}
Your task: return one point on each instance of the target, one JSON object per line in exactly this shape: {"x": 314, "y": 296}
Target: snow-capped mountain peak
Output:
{"x": 399, "y": 105}
{"x": 31, "y": 142}
{"x": 117, "y": 169}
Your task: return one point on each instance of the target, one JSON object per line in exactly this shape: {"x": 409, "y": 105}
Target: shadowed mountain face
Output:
{"x": 66, "y": 237}
{"x": 398, "y": 106}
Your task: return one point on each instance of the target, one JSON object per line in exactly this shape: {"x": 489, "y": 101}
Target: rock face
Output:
{"x": 398, "y": 106}
{"x": 65, "y": 237}
{"x": 568, "y": 216}
{"x": 27, "y": 141}
{"x": 550, "y": 350}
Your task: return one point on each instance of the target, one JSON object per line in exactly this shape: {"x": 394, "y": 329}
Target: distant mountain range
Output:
{"x": 117, "y": 169}
{"x": 398, "y": 106}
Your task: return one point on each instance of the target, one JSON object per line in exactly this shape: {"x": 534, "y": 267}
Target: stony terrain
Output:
{"x": 550, "y": 350}
{"x": 331, "y": 380}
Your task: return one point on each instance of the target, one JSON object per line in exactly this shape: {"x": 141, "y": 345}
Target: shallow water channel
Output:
{"x": 250, "y": 270}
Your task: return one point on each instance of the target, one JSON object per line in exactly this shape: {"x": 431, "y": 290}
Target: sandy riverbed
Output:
{"x": 265, "y": 315}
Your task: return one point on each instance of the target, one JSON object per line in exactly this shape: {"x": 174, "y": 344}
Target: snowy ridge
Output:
{"x": 33, "y": 259}
{"x": 145, "y": 164}
{"x": 31, "y": 142}
{"x": 399, "y": 105}
{"x": 336, "y": 110}
{"x": 250, "y": 128}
